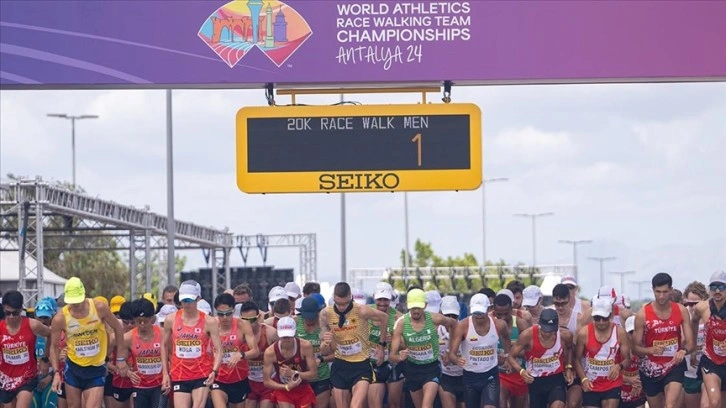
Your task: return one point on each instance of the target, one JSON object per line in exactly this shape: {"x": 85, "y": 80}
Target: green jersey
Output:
{"x": 314, "y": 339}
{"x": 375, "y": 333}
{"x": 423, "y": 346}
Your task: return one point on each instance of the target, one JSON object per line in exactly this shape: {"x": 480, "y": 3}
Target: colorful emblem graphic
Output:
{"x": 241, "y": 25}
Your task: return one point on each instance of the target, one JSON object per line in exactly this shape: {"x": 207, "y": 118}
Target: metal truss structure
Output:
{"x": 32, "y": 212}
{"x": 306, "y": 242}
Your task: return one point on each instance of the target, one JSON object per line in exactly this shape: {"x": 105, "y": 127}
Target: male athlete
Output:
{"x": 388, "y": 376}
{"x": 571, "y": 314}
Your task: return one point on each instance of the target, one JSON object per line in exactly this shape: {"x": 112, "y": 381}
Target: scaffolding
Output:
{"x": 306, "y": 242}
{"x": 31, "y": 211}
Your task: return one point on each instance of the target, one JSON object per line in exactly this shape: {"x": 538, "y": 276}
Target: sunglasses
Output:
{"x": 600, "y": 318}
{"x": 690, "y": 303}
{"x": 188, "y": 300}
{"x": 561, "y": 304}
{"x": 14, "y": 313}
{"x": 249, "y": 319}
{"x": 225, "y": 314}
{"x": 717, "y": 286}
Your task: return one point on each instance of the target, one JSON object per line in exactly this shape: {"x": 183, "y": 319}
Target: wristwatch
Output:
{"x": 383, "y": 343}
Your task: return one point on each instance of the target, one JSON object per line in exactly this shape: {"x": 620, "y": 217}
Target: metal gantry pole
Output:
{"x": 132, "y": 263}
{"x": 534, "y": 217}
{"x": 622, "y": 279}
{"x": 640, "y": 287}
{"x": 574, "y": 253}
{"x": 602, "y": 260}
{"x": 405, "y": 221}
{"x": 171, "y": 223}
{"x": 343, "y": 232}
{"x": 73, "y": 148}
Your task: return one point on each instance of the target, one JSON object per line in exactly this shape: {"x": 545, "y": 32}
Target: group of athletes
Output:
{"x": 508, "y": 351}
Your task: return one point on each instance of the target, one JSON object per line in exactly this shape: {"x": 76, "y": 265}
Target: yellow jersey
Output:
{"x": 351, "y": 339}
{"x": 86, "y": 338}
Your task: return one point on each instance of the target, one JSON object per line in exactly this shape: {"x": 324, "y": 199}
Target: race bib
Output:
{"x": 671, "y": 346}
{"x": 255, "y": 372}
{"x": 148, "y": 365}
{"x": 227, "y": 354}
{"x": 17, "y": 355}
{"x": 188, "y": 349}
{"x": 482, "y": 356}
{"x": 598, "y": 368}
{"x": 421, "y": 354}
{"x": 350, "y": 349}
{"x": 541, "y": 366}
{"x": 87, "y": 347}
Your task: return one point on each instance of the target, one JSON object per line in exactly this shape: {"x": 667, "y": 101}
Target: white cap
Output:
{"x": 718, "y": 277}
{"x": 630, "y": 324}
{"x": 608, "y": 292}
{"x": 276, "y": 293}
{"x": 189, "y": 290}
{"x": 298, "y": 303}
{"x": 286, "y": 327}
{"x": 450, "y": 305}
{"x": 479, "y": 303}
{"x": 292, "y": 290}
{"x": 506, "y": 292}
{"x": 531, "y": 295}
{"x": 204, "y": 306}
{"x": 359, "y": 296}
{"x": 165, "y": 311}
{"x": 602, "y": 307}
{"x": 568, "y": 280}
{"x": 433, "y": 301}
{"x": 383, "y": 291}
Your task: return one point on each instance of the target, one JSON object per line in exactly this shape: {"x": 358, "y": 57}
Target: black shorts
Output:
{"x": 707, "y": 366}
{"x": 7, "y": 397}
{"x": 632, "y": 404}
{"x": 345, "y": 374}
{"x": 122, "y": 394}
{"x": 236, "y": 392}
{"x": 321, "y": 386}
{"x": 108, "y": 386}
{"x": 62, "y": 392}
{"x": 186, "y": 387}
{"x": 546, "y": 390}
{"x": 595, "y": 399}
{"x": 655, "y": 386}
{"x": 147, "y": 397}
{"x": 453, "y": 385}
{"x": 417, "y": 375}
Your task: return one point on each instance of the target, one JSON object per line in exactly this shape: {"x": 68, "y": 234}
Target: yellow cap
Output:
{"x": 116, "y": 303}
{"x": 74, "y": 292}
{"x": 101, "y": 299}
{"x": 416, "y": 298}
{"x": 150, "y": 297}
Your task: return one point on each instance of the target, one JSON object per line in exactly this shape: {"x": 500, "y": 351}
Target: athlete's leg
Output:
{"x": 92, "y": 397}
{"x": 430, "y": 389}
{"x": 395, "y": 392}
{"x": 199, "y": 397}
{"x": 342, "y": 397}
{"x": 712, "y": 389}
{"x": 672, "y": 394}
{"x": 376, "y": 393}
{"x": 574, "y": 396}
{"x": 23, "y": 399}
{"x": 359, "y": 395}
{"x": 219, "y": 398}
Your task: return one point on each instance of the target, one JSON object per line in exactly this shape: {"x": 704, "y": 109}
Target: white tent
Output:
{"x": 10, "y": 275}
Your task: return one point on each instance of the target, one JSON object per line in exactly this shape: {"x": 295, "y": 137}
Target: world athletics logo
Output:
{"x": 239, "y": 26}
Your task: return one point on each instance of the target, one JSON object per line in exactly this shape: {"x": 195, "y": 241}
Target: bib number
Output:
{"x": 149, "y": 365}
{"x": 16, "y": 356}
{"x": 425, "y": 354}
{"x": 255, "y": 372}
{"x": 188, "y": 349}
{"x": 87, "y": 348}
{"x": 350, "y": 349}
{"x": 598, "y": 368}
{"x": 670, "y": 346}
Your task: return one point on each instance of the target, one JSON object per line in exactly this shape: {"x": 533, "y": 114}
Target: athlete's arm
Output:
{"x": 307, "y": 351}
{"x": 568, "y": 343}
{"x": 244, "y": 328}
{"x": 212, "y": 327}
{"x": 377, "y": 316}
{"x": 271, "y": 336}
{"x": 638, "y": 348}
{"x": 121, "y": 353}
{"x": 441, "y": 320}
{"x": 57, "y": 325}
{"x": 268, "y": 366}
{"x": 166, "y": 349}
{"x": 518, "y": 348}
{"x": 396, "y": 342}
{"x": 689, "y": 344}
{"x": 326, "y": 336}
{"x": 455, "y": 340}
{"x": 624, "y": 348}
{"x": 582, "y": 335}
{"x": 523, "y": 324}
{"x": 39, "y": 328}
{"x": 504, "y": 335}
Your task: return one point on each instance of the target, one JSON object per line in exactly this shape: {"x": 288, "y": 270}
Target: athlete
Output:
{"x": 388, "y": 377}
{"x": 308, "y": 328}
{"x": 631, "y": 395}
{"x": 18, "y": 366}
{"x": 712, "y": 368}
{"x": 259, "y": 396}
{"x": 602, "y": 351}
{"x": 417, "y": 332}
{"x": 513, "y": 389}
{"x": 663, "y": 337}
{"x": 547, "y": 350}
{"x": 695, "y": 395}
{"x": 189, "y": 334}
{"x": 451, "y": 388}
{"x": 571, "y": 317}
{"x": 532, "y": 301}
{"x": 344, "y": 327}
{"x": 84, "y": 322}
{"x": 477, "y": 336}
{"x": 118, "y": 389}
{"x": 231, "y": 387}
{"x": 289, "y": 367}
{"x": 143, "y": 343}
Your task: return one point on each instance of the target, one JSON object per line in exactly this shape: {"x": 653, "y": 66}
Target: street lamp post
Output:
{"x": 574, "y": 252}
{"x": 534, "y": 232}
{"x": 602, "y": 260}
{"x": 640, "y": 284}
{"x": 484, "y": 217}
{"x": 622, "y": 279}
{"x": 73, "y": 119}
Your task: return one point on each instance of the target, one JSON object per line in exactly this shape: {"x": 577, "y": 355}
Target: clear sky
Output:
{"x": 638, "y": 168}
